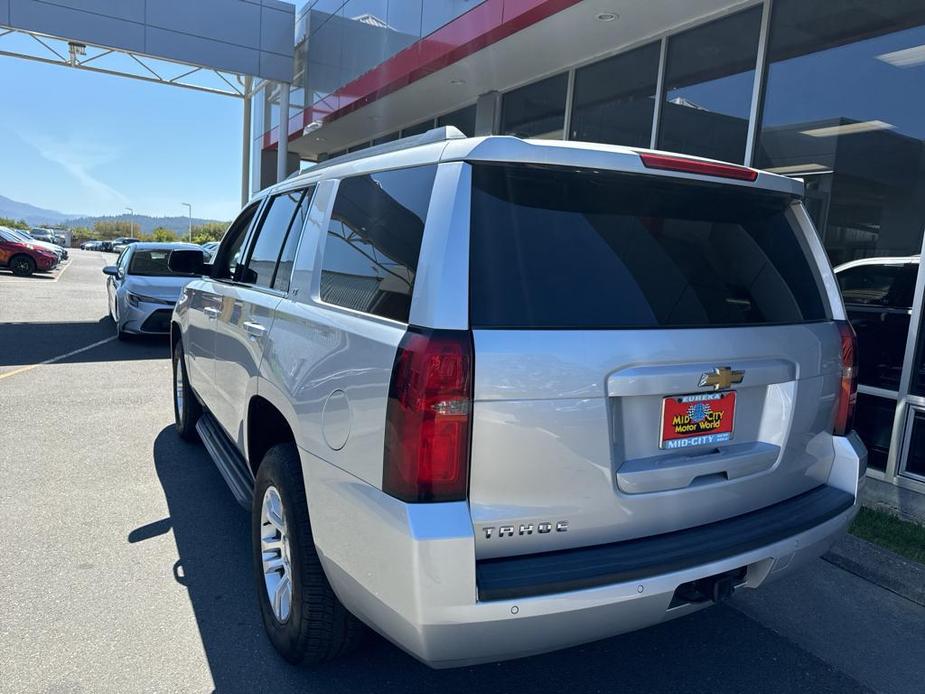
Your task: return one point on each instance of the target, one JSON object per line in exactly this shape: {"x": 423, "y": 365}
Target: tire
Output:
{"x": 317, "y": 627}
{"x": 186, "y": 407}
{"x": 22, "y": 265}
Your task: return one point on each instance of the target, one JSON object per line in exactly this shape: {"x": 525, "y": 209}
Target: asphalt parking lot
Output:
{"x": 126, "y": 561}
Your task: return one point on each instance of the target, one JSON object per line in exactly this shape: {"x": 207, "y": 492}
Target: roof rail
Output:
{"x": 447, "y": 132}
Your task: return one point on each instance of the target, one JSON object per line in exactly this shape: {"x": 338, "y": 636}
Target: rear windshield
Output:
{"x": 151, "y": 263}
{"x": 558, "y": 248}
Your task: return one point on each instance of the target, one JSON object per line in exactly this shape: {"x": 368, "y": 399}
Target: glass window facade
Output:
{"x": 464, "y": 119}
{"x": 339, "y": 40}
{"x": 843, "y": 104}
{"x": 709, "y": 78}
{"x": 536, "y": 110}
{"x": 615, "y": 98}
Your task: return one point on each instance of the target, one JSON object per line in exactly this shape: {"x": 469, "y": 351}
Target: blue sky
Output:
{"x": 86, "y": 143}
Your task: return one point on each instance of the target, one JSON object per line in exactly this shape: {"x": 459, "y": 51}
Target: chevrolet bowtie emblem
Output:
{"x": 721, "y": 378}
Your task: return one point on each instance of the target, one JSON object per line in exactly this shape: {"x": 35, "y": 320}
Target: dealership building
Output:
{"x": 831, "y": 91}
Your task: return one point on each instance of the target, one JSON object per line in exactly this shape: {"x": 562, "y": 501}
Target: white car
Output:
{"x": 495, "y": 397}
{"x": 142, "y": 289}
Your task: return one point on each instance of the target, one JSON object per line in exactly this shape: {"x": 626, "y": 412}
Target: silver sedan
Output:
{"x": 143, "y": 290}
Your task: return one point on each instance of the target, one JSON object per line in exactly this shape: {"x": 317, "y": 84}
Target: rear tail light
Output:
{"x": 428, "y": 417}
{"x": 848, "y": 389}
{"x": 695, "y": 166}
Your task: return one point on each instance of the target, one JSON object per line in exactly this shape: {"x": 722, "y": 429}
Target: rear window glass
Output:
{"x": 558, "y": 248}
{"x": 151, "y": 263}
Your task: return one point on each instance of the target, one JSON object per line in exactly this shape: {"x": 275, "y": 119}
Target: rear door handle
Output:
{"x": 211, "y": 312}
{"x": 255, "y": 329}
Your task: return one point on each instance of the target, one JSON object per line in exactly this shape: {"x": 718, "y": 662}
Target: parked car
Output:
{"x": 495, "y": 397}
{"x": 878, "y": 295}
{"x": 142, "y": 289}
{"x": 26, "y": 238}
{"x": 22, "y": 257}
{"x": 119, "y": 244}
{"x": 91, "y": 245}
{"x": 210, "y": 247}
{"x": 48, "y": 236}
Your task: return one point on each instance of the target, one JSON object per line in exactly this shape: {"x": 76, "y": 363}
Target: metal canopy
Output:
{"x": 123, "y": 63}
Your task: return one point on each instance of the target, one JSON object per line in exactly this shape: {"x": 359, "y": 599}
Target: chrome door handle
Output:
{"x": 255, "y": 329}
{"x": 211, "y": 312}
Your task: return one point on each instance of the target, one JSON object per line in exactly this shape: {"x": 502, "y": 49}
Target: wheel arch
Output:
{"x": 266, "y": 426}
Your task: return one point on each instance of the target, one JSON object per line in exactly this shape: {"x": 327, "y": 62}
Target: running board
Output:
{"x": 227, "y": 459}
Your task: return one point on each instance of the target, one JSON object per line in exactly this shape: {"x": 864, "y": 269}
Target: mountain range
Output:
{"x": 39, "y": 216}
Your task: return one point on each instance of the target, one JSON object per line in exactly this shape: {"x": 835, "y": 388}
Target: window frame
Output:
{"x": 253, "y": 233}
{"x": 308, "y": 195}
{"x": 222, "y": 251}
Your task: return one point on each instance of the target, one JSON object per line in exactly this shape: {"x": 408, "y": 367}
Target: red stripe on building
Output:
{"x": 478, "y": 28}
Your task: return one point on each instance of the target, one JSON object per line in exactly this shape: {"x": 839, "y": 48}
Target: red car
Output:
{"x": 24, "y": 258}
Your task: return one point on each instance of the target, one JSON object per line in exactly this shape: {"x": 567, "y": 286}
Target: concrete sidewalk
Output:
{"x": 871, "y": 634}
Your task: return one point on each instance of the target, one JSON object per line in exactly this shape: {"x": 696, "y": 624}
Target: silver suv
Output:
{"x": 494, "y": 397}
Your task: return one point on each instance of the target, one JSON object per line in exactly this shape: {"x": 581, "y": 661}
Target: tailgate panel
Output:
{"x": 566, "y": 428}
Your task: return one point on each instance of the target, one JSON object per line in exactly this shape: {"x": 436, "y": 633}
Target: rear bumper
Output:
{"x": 409, "y": 571}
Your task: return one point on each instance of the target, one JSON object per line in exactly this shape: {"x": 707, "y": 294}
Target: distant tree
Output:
{"x": 210, "y": 231}
{"x": 14, "y": 223}
{"x": 82, "y": 234}
{"x": 111, "y": 228}
{"x": 163, "y": 234}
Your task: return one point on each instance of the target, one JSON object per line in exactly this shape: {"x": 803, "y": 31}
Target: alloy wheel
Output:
{"x": 178, "y": 386}
{"x": 274, "y": 548}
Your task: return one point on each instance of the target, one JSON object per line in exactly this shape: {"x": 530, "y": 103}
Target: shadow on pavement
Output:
{"x": 717, "y": 650}
{"x": 30, "y": 343}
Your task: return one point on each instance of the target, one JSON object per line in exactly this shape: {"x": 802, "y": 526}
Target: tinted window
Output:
{"x": 614, "y": 99}
{"x": 709, "y": 78}
{"x": 890, "y": 286}
{"x": 418, "y": 128}
{"x": 464, "y": 119}
{"x": 287, "y": 257}
{"x": 537, "y": 110}
{"x": 150, "y": 263}
{"x": 265, "y": 251}
{"x": 552, "y": 248}
{"x": 228, "y": 255}
{"x": 843, "y": 106}
{"x": 374, "y": 239}
{"x": 916, "y": 462}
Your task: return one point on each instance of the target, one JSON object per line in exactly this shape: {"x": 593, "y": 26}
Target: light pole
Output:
{"x": 189, "y": 210}
{"x": 131, "y": 222}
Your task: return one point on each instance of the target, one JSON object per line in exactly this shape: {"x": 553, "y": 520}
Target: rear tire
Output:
{"x": 22, "y": 265}
{"x": 316, "y": 627}
{"x": 186, "y": 407}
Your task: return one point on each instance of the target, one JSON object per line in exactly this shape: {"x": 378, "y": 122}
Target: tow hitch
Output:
{"x": 710, "y": 589}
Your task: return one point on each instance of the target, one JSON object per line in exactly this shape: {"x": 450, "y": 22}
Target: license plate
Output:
{"x": 697, "y": 420}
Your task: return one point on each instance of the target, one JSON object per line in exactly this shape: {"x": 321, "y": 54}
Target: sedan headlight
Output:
{"x": 135, "y": 299}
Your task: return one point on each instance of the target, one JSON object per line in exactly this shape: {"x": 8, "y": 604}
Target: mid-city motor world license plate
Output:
{"x": 697, "y": 420}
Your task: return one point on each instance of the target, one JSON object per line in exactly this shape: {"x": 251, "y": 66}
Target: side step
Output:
{"x": 228, "y": 459}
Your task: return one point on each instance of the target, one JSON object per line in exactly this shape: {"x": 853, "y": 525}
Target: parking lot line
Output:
{"x": 13, "y": 279}
{"x": 58, "y": 358}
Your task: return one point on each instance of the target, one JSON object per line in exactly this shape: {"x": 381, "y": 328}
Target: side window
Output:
{"x": 890, "y": 286}
{"x": 122, "y": 262}
{"x": 374, "y": 239}
{"x": 229, "y": 252}
{"x": 291, "y": 245}
{"x": 266, "y": 249}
